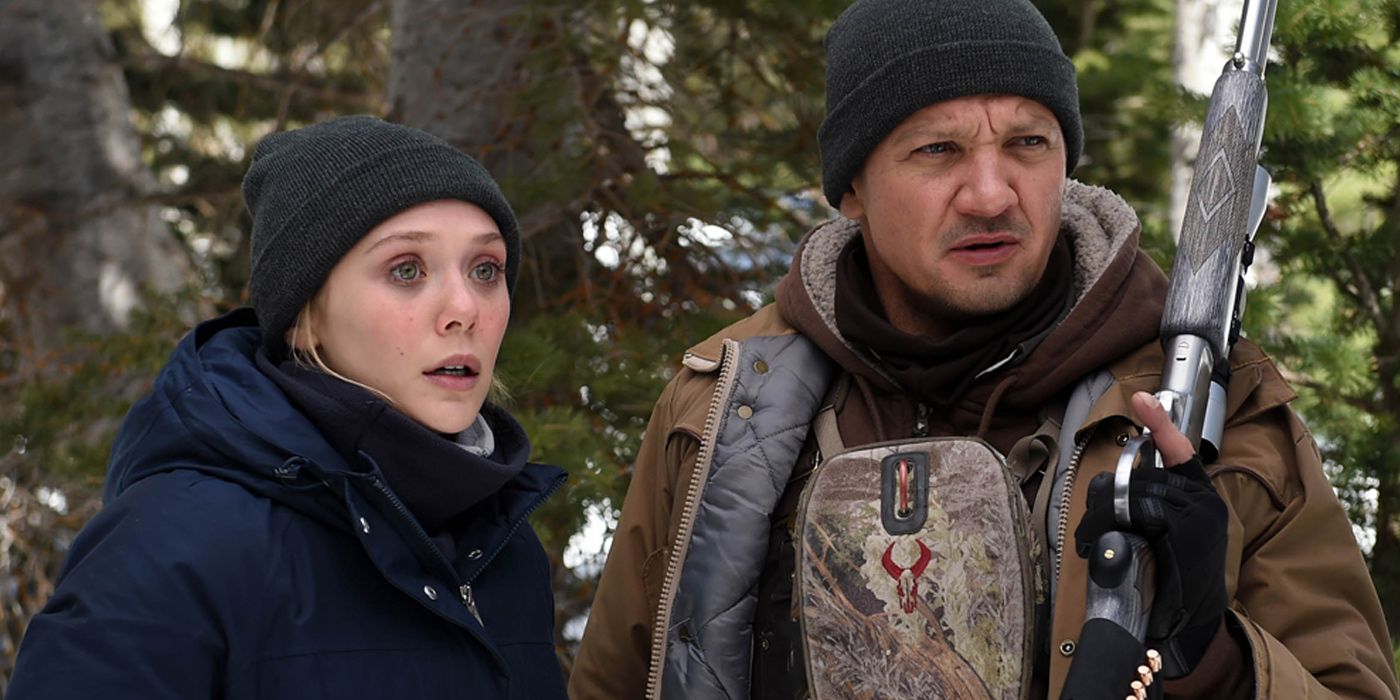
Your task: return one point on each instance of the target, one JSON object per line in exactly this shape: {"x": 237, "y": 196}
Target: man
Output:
{"x": 971, "y": 289}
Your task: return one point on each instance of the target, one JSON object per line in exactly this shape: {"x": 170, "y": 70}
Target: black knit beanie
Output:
{"x": 315, "y": 192}
{"x": 887, "y": 59}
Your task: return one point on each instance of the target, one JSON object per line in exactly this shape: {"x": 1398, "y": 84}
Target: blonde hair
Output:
{"x": 305, "y": 354}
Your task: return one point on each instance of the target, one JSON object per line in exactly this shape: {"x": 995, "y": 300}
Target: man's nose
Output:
{"x": 986, "y": 189}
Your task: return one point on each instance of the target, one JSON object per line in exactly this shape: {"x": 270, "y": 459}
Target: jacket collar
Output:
{"x": 433, "y": 474}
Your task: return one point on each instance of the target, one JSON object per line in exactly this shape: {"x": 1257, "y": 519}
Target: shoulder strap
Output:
{"x": 1087, "y": 393}
{"x": 829, "y": 442}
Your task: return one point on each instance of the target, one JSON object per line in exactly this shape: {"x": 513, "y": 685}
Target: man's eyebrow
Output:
{"x": 930, "y": 133}
{"x": 1032, "y": 123}
{"x": 933, "y": 133}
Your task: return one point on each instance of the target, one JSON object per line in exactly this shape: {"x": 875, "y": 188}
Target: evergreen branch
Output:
{"x": 368, "y": 12}
{"x": 1329, "y": 391}
{"x": 733, "y": 183}
{"x": 318, "y": 89}
{"x": 202, "y": 200}
{"x": 1393, "y": 225}
{"x": 1365, "y": 292}
{"x": 301, "y": 59}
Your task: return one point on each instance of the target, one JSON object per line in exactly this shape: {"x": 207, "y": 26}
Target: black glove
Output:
{"x": 1179, "y": 513}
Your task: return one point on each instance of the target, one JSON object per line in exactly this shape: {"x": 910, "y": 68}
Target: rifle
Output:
{"x": 1200, "y": 323}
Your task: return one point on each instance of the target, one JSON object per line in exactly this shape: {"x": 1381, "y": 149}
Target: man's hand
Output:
{"x": 1180, "y": 514}
{"x": 1170, "y": 443}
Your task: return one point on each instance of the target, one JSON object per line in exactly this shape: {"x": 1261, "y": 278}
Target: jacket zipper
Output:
{"x": 727, "y": 371}
{"x": 1070, "y": 472}
{"x": 469, "y": 600}
{"x": 422, "y": 535}
{"x": 465, "y": 591}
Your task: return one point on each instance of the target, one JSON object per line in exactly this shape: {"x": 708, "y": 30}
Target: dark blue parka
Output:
{"x": 240, "y": 556}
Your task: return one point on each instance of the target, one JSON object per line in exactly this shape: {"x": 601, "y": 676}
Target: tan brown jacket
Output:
{"x": 1300, "y": 590}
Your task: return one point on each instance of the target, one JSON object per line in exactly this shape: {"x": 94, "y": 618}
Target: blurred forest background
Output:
{"x": 662, "y": 158}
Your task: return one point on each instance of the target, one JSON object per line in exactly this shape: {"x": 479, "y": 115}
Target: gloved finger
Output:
{"x": 1151, "y": 500}
{"x": 1170, "y": 443}
{"x": 1147, "y": 485}
{"x": 1093, "y": 525}
{"x": 1168, "y": 487}
{"x": 1192, "y": 469}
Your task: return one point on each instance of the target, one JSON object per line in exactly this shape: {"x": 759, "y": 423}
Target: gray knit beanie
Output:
{"x": 315, "y": 192}
{"x": 887, "y": 59}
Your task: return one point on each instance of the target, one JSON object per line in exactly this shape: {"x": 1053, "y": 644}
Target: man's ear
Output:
{"x": 852, "y": 207}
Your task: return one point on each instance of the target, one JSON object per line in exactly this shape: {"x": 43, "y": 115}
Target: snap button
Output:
{"x": 474, "y": 554}
{"x": 1122, "y": 439}
{"x": 430, "y": 592}
{"x": 760, "y": 366}
{"x": 364, "y": 525}
{"x": 764, "y": 644}
{"x": 1067, "y": 647}
{"x": 746, "y": 412}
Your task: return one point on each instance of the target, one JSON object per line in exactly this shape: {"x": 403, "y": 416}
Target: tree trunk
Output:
{"x": 78, "y": 242}
{"x": 1204, "y": 40}
{"x": 455, "y": 71}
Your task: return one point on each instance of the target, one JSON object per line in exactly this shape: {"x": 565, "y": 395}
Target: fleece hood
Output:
{"x": 1118, "y": 295}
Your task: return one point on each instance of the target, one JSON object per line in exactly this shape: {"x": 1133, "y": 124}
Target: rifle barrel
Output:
{"x": 1256, "y": 28}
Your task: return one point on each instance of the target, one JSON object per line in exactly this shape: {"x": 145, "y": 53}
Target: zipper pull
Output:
{"x": 470, "y": 601}
{"x": 921, "y": 423}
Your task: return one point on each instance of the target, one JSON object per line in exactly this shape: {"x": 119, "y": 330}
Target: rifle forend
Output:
{"x": 1223, "y": 209}
{"x": 1201, "y": 298}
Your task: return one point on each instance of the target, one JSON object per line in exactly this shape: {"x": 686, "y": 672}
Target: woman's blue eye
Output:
{"x": 486, "y": 272}
{"x": 406, "y": 271}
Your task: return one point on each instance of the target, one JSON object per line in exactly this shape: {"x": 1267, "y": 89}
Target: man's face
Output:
{"x": 959, "y": 207}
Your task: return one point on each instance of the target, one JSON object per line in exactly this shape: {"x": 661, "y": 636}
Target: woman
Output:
{"x": 317, "y": 500}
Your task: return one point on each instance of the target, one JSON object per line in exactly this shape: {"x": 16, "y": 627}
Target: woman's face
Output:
{"x": 417, "y": 310}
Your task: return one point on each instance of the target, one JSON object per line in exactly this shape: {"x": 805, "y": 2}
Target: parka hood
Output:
{"x": 211, "y": 410}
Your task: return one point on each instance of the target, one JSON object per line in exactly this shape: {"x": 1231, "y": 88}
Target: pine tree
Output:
{"x": 1332, "y": 141}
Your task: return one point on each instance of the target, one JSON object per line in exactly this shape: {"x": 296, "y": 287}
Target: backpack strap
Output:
{"x": 1087, "y": 393}
{"x": 829, "y": 442}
